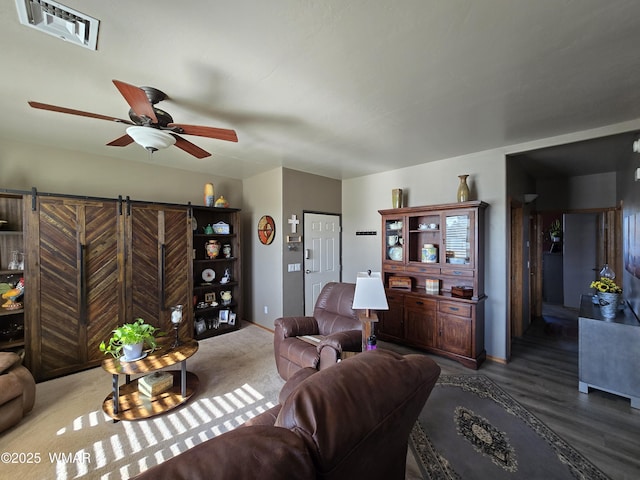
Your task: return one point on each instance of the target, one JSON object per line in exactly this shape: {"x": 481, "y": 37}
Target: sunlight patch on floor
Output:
{"x": 185, "y": 427}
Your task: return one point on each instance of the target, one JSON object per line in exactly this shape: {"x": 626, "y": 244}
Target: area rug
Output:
{"x": 471, "y": 429}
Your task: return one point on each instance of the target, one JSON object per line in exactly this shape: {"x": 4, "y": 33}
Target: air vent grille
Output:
{"x": 60, "y": 21}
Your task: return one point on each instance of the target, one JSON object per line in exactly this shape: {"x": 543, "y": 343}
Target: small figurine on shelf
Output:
{"x": 226, "y": 277}
{"x": 11, "y": 296}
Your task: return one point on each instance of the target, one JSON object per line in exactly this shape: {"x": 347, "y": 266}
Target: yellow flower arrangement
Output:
{"x": 606, "y": 285}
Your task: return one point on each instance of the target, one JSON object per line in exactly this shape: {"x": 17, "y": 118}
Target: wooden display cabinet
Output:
{"x": 211, "y": 315}
{"x": 440, "y": 249}
{"x": 11, "y": 240}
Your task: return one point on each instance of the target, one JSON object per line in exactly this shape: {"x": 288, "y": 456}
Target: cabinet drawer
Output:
{"x": 394, "y": 266}
{"x": 423, "y": 268}
{"x": 457, "y": 272}
{"x": 419, "y": 303}
{"x": 459, "y": 309}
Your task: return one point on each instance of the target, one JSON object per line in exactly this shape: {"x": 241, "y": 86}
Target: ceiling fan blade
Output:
{"x": 122, "y": 141}
{"x": 190, "y": 148}
{"x": 54, "y": 108}
{"x": 210, "y": 132}
{"x": 137, "y": 99}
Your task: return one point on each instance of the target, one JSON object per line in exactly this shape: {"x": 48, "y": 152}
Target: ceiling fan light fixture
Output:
{"x": 151, "y": 139}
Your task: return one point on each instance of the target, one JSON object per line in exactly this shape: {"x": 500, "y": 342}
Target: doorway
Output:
{"x": 559, "y": 277}
{"x": 322, "y": 254}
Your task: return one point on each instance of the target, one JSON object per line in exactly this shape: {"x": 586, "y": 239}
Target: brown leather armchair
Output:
{"x": 349, "y": 421}
{"x": 17, "y": 390}
{"x": 333, "y": 318}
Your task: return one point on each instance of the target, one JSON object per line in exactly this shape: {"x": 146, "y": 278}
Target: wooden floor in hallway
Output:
{"x": 543, "y": 376}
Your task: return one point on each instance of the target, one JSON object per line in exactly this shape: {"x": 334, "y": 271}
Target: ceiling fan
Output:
{"x": 150, "y": 127}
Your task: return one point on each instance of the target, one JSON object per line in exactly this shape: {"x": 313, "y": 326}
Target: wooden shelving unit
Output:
{"x": 11, "y": 239}
{"x": 211, "y": 315}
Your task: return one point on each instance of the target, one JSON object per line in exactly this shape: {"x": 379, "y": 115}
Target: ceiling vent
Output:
{"x": 63, "y": 22}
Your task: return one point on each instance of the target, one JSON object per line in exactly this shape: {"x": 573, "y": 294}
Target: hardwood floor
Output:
{"x": 543, "y": 376}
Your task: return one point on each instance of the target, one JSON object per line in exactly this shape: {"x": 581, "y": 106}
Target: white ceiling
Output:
{"x": 332, "y": 87}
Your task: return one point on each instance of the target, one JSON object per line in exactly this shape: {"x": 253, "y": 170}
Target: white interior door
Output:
{"x": 321, "y": 255}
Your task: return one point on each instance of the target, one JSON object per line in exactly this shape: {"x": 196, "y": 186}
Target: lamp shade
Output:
{"x": 369, "y": 294}
{"x": 150, "y": 138}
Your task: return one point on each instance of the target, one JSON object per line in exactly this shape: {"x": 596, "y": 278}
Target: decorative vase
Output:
{"x": 463, "y": 189}
{"x": 396, "y": 198}
{"x": 14, "y": 264}
{"x": 608, "y": 304}
{"x": 212, "y": 248}
{"x": 208, "y": 194}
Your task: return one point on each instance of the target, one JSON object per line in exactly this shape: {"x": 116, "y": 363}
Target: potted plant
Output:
{"x": 608, "y": 294}
{"x": 129, "y": 339}
{"x": 555, "y": 231}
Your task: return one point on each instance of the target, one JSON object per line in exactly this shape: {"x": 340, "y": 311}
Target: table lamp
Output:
{"x": 369, "y": 295}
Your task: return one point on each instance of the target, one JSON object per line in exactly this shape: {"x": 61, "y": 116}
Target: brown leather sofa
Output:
{"x": 333, "y": 318}
{"x": 349, "y": 421}
{"x": 17, "y": 390}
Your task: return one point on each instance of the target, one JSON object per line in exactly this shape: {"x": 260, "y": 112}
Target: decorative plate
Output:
{"x": 395, "y": 253}
{"x": 194, "y": 223}
{"x": 266, "y": 229}
{"x": 208, "y": 275}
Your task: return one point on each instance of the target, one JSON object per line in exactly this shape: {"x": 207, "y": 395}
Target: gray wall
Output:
{"x": 303, "y": 192}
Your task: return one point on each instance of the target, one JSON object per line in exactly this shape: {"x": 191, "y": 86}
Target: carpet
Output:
{"x": 471, "y": 429}
{"x": 68, "y": 436}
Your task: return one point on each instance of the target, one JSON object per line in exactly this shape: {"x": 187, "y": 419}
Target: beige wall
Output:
{"x": 263, "y": 263}
{"x": 23, "y": 166}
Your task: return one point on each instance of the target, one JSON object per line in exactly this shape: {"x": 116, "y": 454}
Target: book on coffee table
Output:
{"x": 155, "y": 383}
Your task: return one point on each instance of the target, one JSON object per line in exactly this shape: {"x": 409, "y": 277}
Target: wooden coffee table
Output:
{"x": 126, "y": 403}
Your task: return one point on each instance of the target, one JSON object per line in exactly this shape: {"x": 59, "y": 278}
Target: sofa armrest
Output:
{"x": 295, "y": 326}
{"x": 347, "y": 341}
{"x": 251, "y": 452}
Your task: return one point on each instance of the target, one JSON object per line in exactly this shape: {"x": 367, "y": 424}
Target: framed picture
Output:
{"x": 232, "y": 318}
{"x": 210, "y": 297}
{"x": 223, "y": 316}
{"x": 200, "y": 325}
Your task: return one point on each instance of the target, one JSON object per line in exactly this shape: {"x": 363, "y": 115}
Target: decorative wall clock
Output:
{"x": 266, "y": 229}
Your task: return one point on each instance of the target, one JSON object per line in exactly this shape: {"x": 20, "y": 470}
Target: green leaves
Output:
{"x": 130, "y": 334}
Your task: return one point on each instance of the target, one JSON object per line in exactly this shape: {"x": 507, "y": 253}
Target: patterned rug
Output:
{"x": 471, "y": 429}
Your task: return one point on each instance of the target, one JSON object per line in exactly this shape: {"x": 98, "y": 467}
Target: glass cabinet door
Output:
{"x": 458, "y": 238}
{"x": 394, "y": 239}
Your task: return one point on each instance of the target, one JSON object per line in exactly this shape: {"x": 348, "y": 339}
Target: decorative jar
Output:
{"x": 429, "y": 253}
{"x": 212, "y": 248}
